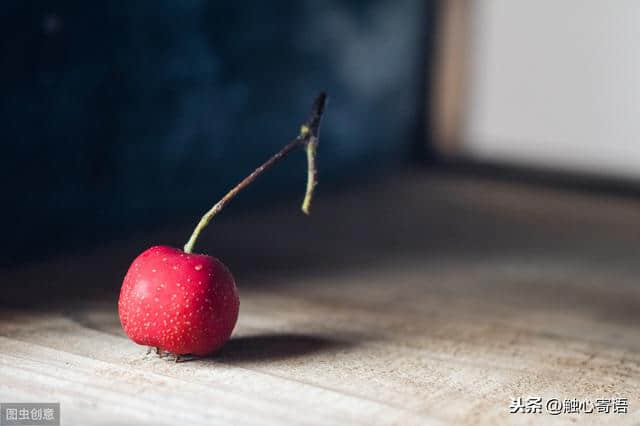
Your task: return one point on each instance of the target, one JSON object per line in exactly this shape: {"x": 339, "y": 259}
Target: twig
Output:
{"x": 308, "y": 137}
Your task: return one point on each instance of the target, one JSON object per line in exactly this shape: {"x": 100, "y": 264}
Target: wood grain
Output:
{"x": 446, "y": 299}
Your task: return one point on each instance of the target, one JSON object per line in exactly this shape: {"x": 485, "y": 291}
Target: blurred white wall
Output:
{"x": 555, "y": 83}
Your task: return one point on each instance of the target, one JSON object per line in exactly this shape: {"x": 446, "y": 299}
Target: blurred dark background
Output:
{"x": 125, "y": 117}
{"x": 134, "y": 115}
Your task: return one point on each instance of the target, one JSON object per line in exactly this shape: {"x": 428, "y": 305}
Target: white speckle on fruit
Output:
{"x": 197, "y": 267}
{"x": 153, "y": 270}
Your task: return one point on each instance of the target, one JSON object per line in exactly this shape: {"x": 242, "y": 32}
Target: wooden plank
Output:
{"x": 439, "y": 312}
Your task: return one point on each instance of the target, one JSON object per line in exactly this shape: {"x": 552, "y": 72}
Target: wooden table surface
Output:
{"x": 425, "y": 299}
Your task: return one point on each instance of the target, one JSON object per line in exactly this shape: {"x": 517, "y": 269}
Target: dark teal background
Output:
{"x": 125, "y": 114}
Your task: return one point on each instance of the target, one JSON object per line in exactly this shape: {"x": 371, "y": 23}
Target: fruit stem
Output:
{"x": 309, "y": 136}
{"x": 312, "y": 174}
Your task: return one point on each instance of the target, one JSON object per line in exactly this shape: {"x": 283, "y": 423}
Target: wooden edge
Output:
{"x": 449, "y": 77}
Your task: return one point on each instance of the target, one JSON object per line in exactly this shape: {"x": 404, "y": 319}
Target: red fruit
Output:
{"x": 180, "y": 302}
{"x": 186, "y": 303}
